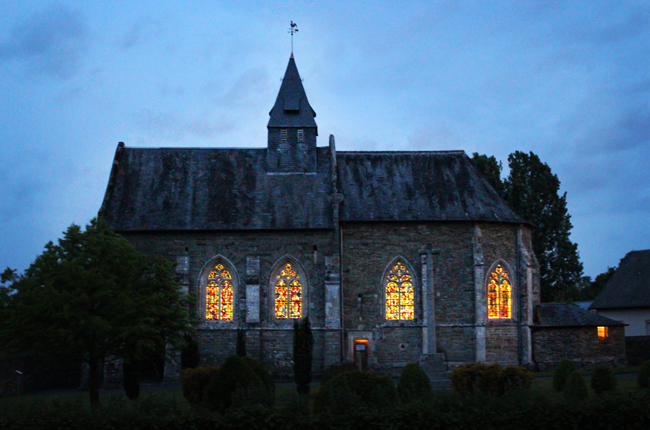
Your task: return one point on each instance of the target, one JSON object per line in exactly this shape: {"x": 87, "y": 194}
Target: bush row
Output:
{"x": 241, "y": 381}
{"x": 516, "y": 410}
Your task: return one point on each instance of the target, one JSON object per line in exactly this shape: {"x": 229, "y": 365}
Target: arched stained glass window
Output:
{"x": 499, "y": 294}
{"x": 219, "y": 292}
{"x": 288, "y": 293}
{"x": 399, "y": 293}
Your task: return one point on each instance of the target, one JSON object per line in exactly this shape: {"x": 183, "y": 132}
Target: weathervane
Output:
{"x": 292, "y": 29}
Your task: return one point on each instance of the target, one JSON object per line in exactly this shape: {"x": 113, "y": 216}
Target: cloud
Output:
{"x": 439, "y": 136}
{"x": 170, "y": 126}
{"x": 52, "y": 42}
{"x": 142, "y": 30}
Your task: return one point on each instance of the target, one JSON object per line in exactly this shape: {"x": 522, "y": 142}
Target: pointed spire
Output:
{"x": 292, "y": 109}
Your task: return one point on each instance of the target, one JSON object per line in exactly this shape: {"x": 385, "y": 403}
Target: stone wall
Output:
{"x": 369, "y": 248}
{"x": 580, "y": 344}
{"x": 253, "y": 256}
{"x": 637, "y": 349}
{"x": 449, "y": 263}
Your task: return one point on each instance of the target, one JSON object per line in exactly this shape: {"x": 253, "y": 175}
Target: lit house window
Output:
{"x": 219, "y": 291}
{"x": 288, "y": 293}
{"x": 499, "y": 294}
{"x": 603, "y": 334}
{"x": 399, "y": 293}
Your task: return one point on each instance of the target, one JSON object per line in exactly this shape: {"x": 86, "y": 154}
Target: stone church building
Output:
{"x": 394, "y": 256}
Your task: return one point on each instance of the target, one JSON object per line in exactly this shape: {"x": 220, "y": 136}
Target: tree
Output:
{"x": 303, "y": 353}
{"x": 93, "y": 297}
{"x": 491, "y": 169}
{"x": 592, "y": 288}
{"x": 533, "y": 191}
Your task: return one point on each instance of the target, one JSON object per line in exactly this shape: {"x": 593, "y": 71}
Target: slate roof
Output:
{"x": 629, "y": 287}
{"x": 229, "y": 189}
{"x": 292, "y": 109}
{"x": 417, "y": 186}
{"x": 569, "y": 315}
{"x": 213, "y": 189}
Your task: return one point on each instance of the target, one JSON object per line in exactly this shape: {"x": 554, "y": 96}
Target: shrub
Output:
{"x": 237, "y": 383}
{"x": 562, "y": 372}
{"x": 303, "y": 354}
{"x": 413, "y": 383}
{"x": 337, "y": 369}
{"x": 643, "y": 377}
{"x": 195, "y": 381}
{"x": 190, "y": 353}
{"x": 575, "y": 389}
{"x": 241, "y": 342}
{"x": 131, "y": 379}
{"x": 268, "y": 384}
{"x": 355, "y": 390}
{"x": 490, "y": 379}
{"x": 603, "y": 379}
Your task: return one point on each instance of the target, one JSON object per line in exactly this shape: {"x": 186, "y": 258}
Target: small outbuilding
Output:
{"x": 564, "y": 330}
{"x": 626, "y": 298}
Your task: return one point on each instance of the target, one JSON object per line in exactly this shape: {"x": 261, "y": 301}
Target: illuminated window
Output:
{"x": 603, "y": 334}
{"x": 288, "y": 293}
{"x": 219, "y": 292}
{"x": 499, "y": 294}
{"x": 399, "y": 293}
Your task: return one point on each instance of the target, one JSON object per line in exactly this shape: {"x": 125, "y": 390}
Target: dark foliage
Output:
{"x": 190, "y": 357}
{"x": 575, "y": 389}
{"x": 492, "y": 379}
{"x": 491, "y": 168}
{"x": 237, "y": 384}
{"x": 95, "y": 297}
{"x": 519, "y": 410}
{"x": 241, "y": 343}
{"x": 268, "y": 384}
{"x": 413, "y": 384}
{"x": 195, "y": 381}
{"x": 303, "y": 354}
{"x": 337, "y": 369}
{"x": 643, "y": 377}
{"x": 355, "y": 390}
{"x": 562, "y": 372}
{"x": 592, "y": 288}
{"x": 603, "y": 379}
{"x": 131, "y": 379}
{"x": 533, "y": 190}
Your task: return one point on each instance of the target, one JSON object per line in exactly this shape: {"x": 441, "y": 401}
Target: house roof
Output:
{"x": 292, "y": 109}
{"x": 629, "y": 287}
{"x": 569, "y": 315}
{"x": 417, "y": 186}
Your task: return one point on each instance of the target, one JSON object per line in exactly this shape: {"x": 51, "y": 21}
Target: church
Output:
{"x": 395, "y": 257}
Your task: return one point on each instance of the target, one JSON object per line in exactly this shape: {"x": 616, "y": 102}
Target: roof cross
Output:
{"x": 292, "y": 29}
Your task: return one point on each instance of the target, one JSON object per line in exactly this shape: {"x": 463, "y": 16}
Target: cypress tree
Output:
{"x": 241, "y": 342}
{"x": 303, "y": 353}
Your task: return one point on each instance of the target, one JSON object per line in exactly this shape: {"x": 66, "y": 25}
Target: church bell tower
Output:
{"x": 292, "y": 128}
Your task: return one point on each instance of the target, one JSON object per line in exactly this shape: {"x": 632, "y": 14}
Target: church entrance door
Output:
{"x": 361, "y": 353}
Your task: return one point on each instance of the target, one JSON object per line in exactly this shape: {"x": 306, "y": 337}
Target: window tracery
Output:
{"x": 219, "y": 294}
{"x": 399, "y": 293}
{"x": 288, "y": 293}
{"x": 499, "y": 294}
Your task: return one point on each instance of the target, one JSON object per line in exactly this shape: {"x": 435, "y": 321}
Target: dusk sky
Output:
{"x": 567, "y": 80}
